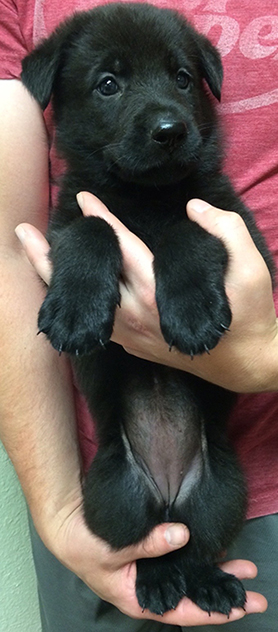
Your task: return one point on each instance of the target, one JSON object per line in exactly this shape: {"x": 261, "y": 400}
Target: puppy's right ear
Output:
{"x": 210, "y": 64}
{"x": 39, "y": 68}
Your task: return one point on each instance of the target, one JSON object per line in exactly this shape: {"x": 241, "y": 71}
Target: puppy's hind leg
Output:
{"x": 119, "y": 503}
{"x": 214, "y": 511}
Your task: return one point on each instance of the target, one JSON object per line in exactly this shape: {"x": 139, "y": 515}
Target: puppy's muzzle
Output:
{"x": 169, "y": 133}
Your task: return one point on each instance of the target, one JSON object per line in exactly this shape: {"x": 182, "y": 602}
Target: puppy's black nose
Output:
{"x": 169, "y": 134}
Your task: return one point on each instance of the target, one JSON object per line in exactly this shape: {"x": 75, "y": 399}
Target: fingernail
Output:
{"x": 198, "y": 205}
{"x": 80, "y": 200}
{"x": 176, "y": 534}
{"x": 238, "y": 613}
{"x": 21, "y": 234}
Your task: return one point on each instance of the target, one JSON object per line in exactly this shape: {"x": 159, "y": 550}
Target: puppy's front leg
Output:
{"x": 190, "y": 266}
{"x": 78, "y": 311}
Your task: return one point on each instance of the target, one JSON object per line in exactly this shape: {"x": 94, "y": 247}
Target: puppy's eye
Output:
{"x": 108, "y": 86}
{"x": 183, "y": 79}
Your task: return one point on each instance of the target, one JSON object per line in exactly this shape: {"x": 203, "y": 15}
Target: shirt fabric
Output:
{"x": 247, "y": 36}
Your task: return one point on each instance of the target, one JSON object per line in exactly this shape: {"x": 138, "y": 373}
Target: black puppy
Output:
{"x": 137, "y": 127}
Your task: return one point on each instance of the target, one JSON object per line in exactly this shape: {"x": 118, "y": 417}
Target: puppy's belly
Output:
{"x": 164, "y": 438}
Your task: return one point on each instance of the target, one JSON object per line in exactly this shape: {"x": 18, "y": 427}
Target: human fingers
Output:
{"x": 248, "y": 282}
{"x": 135, "y": 252}
{"x": 232, "y": 230}
{"x": 220, "y": 223}
{"x": 36, "y": 248}
{"x": 137, "y": 258}
{"x": 243, "y": 569}
{"x": 188, "y": 614}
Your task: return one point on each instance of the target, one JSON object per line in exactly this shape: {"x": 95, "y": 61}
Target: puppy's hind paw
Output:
{"x": 159, "y": 590}
{"x": 215, "y": 591}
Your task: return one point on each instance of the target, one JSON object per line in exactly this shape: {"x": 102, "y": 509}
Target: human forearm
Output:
{"x": 36, "y": 407}
{"x": 37, "y": 415}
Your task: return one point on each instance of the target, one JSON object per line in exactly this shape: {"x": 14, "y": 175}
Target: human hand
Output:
{"x": 246, "y": 358}
{"x": 111, "y": 575}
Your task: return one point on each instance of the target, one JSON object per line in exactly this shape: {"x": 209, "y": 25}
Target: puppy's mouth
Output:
{"x": 153, "y": 166}
{"x": 160, "y": 174}
{"x": 163, "y": 153}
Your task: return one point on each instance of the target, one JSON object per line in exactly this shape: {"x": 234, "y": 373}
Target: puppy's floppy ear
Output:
{"x": 210, "y": 64}
{"x": 40, "y": 67}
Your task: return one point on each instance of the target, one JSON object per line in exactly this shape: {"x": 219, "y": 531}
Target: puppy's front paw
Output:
{"x": 80, "y": 318}
{"x": 193, "y": 318}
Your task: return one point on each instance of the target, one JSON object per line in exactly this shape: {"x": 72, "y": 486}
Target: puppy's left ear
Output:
{"x": 39, "y": 69}
{"x": 210, "y": 64}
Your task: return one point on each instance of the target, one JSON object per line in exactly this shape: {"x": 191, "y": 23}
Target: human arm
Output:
{"x": 37, "y": 443}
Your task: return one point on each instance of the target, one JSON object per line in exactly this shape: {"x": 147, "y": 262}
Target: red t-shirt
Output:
{"x": 247, "y": 36}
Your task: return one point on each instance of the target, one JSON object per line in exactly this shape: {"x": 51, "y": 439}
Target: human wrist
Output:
{"x": 53, "y": 523}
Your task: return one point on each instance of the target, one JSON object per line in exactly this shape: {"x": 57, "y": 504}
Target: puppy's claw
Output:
{"x": 225, "y": 327}
{"x": 60, "y": 350}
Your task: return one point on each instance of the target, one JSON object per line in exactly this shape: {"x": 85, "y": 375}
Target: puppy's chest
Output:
{"x": 149, "y": 219}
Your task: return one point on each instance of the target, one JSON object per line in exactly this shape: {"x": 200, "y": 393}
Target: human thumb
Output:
{"x": 226, "y": 225}
{"x": 163, "y": 539}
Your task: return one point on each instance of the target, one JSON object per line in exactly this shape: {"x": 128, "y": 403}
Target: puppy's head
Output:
{"x": 128, "y": 93}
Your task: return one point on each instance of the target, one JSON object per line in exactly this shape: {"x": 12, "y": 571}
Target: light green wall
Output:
{"x": 18, "y": 596}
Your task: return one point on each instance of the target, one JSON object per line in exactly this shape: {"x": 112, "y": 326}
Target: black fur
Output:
{"x": 136, "y": 125}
